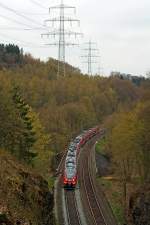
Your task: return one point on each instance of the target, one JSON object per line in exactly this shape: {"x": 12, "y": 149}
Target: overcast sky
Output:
{"x": 121, "y": 29}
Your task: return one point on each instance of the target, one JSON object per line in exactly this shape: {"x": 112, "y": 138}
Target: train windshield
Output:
{"x": 70, "y": 172}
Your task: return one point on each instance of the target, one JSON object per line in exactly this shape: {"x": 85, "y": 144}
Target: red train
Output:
{"x": 70, "y": 169}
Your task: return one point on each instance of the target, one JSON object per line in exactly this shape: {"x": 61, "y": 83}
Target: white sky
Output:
{"x": 120, "y": 28}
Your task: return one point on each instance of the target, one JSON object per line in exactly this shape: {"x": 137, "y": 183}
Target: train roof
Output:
{"x": 70, "y": 160}
{"x": 71, "y": 154}
{"x": 70, "y": 165}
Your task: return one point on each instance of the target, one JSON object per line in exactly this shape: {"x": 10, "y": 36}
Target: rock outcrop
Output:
{"x": 139, "y": 206}
{"x": 24, "y": 195}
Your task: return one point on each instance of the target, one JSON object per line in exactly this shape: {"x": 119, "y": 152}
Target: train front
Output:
{"x": 70, "y": 177}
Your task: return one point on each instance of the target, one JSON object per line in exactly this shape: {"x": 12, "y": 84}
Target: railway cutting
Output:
{"x": 78, "y": 173}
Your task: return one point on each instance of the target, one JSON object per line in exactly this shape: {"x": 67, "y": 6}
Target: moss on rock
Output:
{"x": 25, "y": 196}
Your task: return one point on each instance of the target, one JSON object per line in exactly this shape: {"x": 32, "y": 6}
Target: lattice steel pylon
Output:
{"x": 89, "y": 56}
{"x": 61, "y": 33}
{"x": 100, "y": 71}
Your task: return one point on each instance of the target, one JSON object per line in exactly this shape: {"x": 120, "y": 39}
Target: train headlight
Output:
{"x": 65, "y": 180}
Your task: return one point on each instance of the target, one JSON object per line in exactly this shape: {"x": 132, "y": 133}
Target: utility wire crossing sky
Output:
{"x": 121, "y": 29}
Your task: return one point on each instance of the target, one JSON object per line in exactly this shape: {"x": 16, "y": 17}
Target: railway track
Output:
{"x": 73, "y": 216}
{"x": 93, "y": 202}
{"x": 95, "y": 209}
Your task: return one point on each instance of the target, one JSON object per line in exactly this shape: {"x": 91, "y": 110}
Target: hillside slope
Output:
{"x": 140, "y": 206}
{"x": 24, "y": 196}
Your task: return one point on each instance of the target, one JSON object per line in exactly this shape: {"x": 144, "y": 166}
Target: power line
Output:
{"x": 7, "y": 36}
{"x": 34, "y": 14}
{"x": 19, "y": 14}
{"x": 25, "y": 45}
{"x": 18, "y": 28}
{"x": 37, "y": 4}
{"x": 61, "y": 33}
{"x": 15, "y": 21}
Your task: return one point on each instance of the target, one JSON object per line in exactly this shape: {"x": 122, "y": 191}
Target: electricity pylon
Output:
{"x": 89, "y": 55}
{"x": 100, "y": 71}
{"x": 62, "y": 33}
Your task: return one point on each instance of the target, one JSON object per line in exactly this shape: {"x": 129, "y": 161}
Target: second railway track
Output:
{"x": 73, "y": 216}
{"x": 93, "y": 202}
{"x": 96, "y": 207}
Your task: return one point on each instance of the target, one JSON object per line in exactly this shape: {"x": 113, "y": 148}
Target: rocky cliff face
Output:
{"x": 139, "y": 206}
{"x": 24, "y": 196}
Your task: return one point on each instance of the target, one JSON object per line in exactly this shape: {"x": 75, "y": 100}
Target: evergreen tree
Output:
{"x": 28, "y": 134}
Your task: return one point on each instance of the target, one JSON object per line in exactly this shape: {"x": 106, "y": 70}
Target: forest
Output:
{"x": 40, "y": 114}
{"x": 127, "y": 144}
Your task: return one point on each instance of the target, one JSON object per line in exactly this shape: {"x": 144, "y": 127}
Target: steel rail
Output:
{"x": 72, "y": 209}
{"x": 94, "y": 205}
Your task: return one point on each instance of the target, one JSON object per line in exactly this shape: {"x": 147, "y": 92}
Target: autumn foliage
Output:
{"x": 48, "y": 112}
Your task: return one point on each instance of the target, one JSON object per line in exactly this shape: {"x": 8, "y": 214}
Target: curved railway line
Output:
{"x": 73, "y": 215}
{"x": 95, "y": 207}
{"x": 93, "y": 202}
